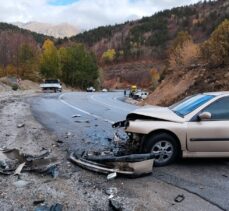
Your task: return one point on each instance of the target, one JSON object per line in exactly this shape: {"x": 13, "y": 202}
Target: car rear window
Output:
{"x": 189, "y": 104}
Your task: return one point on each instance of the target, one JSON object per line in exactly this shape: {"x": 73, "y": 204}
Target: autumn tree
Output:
{"x": 28, "y": 62}
{"x": 109, "y": 55}
{"x": 4, "y": 51}
{"x": 155, "y": 77}
{"x": 216, "y": 49}
{"x": 183, "y": 51}
{"x": 49, "y": 62}
{"x": 79, "y": 67}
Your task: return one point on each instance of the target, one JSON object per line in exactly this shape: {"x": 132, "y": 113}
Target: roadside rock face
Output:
{"x": 185, "y": 82}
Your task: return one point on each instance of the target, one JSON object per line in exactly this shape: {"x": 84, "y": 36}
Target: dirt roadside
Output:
{"x": 74, "y": 188}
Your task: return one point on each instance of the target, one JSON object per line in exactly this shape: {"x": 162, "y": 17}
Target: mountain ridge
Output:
{"x": 61, "y": 30}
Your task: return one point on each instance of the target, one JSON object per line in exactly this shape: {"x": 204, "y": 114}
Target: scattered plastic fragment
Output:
{"x": 115, "y": 204}
{"x": 12, "y": 161}
{"x": 111, "y": 176}
{"x": 179, "y": 198}
{"x": 19, "y": 169}
{"x": 39, "y": 201}
{"x": 20, "y": 125}
{"x": 76, "y": 115}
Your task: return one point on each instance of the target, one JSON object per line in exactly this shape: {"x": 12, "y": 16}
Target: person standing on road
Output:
{"x": 124, "y": 92}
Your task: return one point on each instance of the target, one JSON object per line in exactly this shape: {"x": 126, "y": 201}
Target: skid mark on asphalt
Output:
{"x": 60, "y": 98}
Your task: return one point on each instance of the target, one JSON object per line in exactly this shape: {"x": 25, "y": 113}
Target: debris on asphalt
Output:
{"x": 179, "y": 198}
{"x": 12, "y": 161}
{"x": 53, "y": 171}
{"x": 111, "y": 176}
{"x": 111, "y": 192}
{"x": 109, "y": 139}
{"x": 82, "y": 121}
{"x": 19, "y": 169}
{"x": 131, "y": 165}
{"x": 21, "y": 183}
{"x": 20, "y": 125}
{"x": 55, "y": 207}
{"x": 115, "y": 204}
{"x": 68, "y": 134}
{"x": 38, "y": 201}
{"x": 59, "y": 141}
{"x": 76, "y": 115}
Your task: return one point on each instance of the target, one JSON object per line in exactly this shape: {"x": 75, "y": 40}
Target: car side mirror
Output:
{"x": 204, "y": 116}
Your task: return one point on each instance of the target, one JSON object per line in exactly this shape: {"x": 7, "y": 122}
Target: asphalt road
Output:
{"x": 205, "y": 178}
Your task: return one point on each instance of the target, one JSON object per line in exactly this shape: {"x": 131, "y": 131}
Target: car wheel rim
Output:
{"x": 163, "y": 151}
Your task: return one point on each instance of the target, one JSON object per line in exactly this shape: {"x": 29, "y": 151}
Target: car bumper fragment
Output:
{"x": 130, "y": 165}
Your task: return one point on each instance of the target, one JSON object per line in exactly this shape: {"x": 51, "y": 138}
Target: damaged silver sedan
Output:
{"x": 195, "y": 127}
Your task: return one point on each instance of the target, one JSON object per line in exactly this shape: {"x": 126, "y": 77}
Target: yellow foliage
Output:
{"x": 2, "y": 74}
{"x": 155, "y": 74}
{"x": 11, "y": 70}
{"x": 216, "y": 49}
{"x": 49, "y": 63}
{"x": 183, "y": 52}
{"x": 109, "y": 55}
{"x": 185, "y": 55}
{"x": 181, "y": 38}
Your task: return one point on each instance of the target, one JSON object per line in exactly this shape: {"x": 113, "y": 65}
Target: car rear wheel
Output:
{"x": 164, "y": 147}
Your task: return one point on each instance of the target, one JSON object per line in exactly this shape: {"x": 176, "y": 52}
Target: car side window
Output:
{"x": 219, "y": 109}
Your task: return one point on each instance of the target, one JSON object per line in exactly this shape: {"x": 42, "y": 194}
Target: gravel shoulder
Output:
{"x": 74, "y": 188}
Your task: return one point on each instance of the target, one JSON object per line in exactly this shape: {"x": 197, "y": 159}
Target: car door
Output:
{"x": 210, "y": 135}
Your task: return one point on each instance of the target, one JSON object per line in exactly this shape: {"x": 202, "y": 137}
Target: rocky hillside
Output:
{"x": 189, "y": 81}
{"x": 57, "y": 31}
{"x": 150, "y": 39}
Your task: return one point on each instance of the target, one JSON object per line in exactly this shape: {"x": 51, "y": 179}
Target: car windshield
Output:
{"x": 51, "y": 81}
{"x": 189, "y": 104}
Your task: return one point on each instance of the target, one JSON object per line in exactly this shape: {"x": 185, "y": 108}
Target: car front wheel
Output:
{"x": 164, "y": 147}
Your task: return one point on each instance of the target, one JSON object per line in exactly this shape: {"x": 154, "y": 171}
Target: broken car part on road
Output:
{"x": 131, "y": 165}
{"x": 12, "y": 161}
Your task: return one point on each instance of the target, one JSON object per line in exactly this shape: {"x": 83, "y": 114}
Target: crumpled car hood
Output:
{"x": 157, "y": 112}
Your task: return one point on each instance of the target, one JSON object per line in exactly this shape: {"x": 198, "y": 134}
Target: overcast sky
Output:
{"x": 85, "y": 14}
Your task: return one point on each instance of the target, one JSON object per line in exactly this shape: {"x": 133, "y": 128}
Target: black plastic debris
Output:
{"x": 82, "y": 121}
{"x": 39, "y": 201}
{"x": 53, "y": 171}
{"x": 115, "y": 204}
{"x": 76, "y": 115}
{"x": 179, "y": 198}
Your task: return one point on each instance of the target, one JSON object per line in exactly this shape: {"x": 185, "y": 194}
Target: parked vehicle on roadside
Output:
{"x": 140, "y": 95}
{"x": 197, "y": 126}
{"x": 104, "y": 90}
{"x": 91, "y": 89}
{"x": 51, "y": 85}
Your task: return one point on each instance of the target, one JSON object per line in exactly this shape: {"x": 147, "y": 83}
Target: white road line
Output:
{"x": 108, "y": 105}
{"x": 83, "y": 111}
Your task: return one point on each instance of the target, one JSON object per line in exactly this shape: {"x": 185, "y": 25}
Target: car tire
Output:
{"x": 165, "y": 148}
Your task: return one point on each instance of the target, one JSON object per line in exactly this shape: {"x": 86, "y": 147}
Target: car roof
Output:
{"x": 223, "y": 93}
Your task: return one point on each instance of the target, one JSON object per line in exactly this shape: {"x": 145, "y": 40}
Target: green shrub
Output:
{"x": 15, "y": 87}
